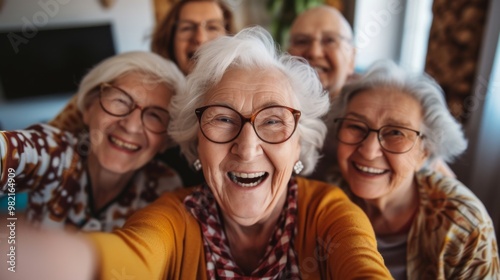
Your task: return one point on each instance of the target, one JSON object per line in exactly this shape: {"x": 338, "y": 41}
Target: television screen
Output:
{"x": 52, "y": 61}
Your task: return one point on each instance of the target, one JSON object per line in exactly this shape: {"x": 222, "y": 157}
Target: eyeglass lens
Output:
{"x": 118, "y": 103}
{"x": 393, "y": 139}
{"x": 327, "y": 41}
{"x": 221, "y": 124}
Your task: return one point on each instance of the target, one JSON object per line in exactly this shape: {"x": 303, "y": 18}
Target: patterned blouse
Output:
{"x": 452, "y": 236}
{"x": 51, "y": 166}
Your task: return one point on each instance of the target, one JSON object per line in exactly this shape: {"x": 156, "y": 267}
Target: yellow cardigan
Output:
{"x": 163, "y": 241}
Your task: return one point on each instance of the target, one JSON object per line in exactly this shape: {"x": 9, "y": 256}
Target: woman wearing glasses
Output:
{"x": 251, "y": 120}
{"x": 94, "y": 181}
{"x": 390, "y": 127}
{"x": 188, "y": 25}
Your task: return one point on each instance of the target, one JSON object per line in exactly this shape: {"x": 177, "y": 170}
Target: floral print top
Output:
{"x": 452, "y": 236}
{"x": 51, "y": 166}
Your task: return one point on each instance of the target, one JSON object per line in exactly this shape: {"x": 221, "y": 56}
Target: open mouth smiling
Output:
{"x": 124, "y": 145}
{"x": 369, "y": 170}
{"x": 247, "y": 180}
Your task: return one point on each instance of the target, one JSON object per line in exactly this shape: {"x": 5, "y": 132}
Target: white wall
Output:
{"x": 132, "y": 21}
{"x": 378, "y": 26}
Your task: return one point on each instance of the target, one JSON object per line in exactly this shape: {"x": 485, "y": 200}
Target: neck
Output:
{"x": 248, "y": 244}
{"x": 106, "y": 185}
{"x": 393, "y": 214}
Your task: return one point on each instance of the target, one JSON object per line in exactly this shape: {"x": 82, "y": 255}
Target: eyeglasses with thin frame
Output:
{"x": 328, "y": 41}
{"x": 393, "y": 139}
{"x": 222, "y": 124}
{"x": 119, "y": 103}
{"x": 186, "y": 29}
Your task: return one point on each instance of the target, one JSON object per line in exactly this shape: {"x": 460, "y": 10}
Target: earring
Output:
{"x": 197, "y": 165}
{"x": 298, "y": 167}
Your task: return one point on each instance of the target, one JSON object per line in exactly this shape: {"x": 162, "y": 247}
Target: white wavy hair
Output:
{"x": 252, "y": 48}
{"x": 154, "y": 68}
{"x": 443, "y": 135}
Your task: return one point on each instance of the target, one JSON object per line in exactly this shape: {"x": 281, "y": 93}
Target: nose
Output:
{"x": 247, "y": 144}
{"x": 314, "y": 50}
{"x": 133, "y": 121}
{"x": 200, "y": 35}
{"x": 370, "y": 148}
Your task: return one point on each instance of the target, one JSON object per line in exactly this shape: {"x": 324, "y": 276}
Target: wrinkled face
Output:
{"x": 122, "y": 144}
{"x": 198, "y": 23}
{"x": 248, "y": 176}
{"x": 322, "y": 37}
{"x": 373, "y": 173}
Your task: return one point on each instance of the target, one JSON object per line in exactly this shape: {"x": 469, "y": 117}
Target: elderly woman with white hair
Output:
{"x": 96, "y": 179}
{"x": 428, "y": 226}
{"x": 251, "y": 120}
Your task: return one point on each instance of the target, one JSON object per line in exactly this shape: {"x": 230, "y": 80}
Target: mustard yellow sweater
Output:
{"x": 334, "y": 240}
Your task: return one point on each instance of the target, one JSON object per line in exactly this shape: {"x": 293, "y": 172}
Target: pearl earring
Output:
{"x": 298, "y": 167}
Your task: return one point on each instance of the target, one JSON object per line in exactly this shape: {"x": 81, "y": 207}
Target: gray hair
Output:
{"x": 444, "y": 137}
{"x": 252, "y": 48}
{"x": 153, "y": 67}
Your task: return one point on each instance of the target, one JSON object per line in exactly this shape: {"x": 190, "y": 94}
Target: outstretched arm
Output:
{"x": 30, "y": 157}
{"x": 45, "y": 254}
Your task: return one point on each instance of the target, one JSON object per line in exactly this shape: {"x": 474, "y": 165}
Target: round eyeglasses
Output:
{"x": 393, "y": 139}
{"x": 118, "y": 103}
{"x": 222, "y": 124}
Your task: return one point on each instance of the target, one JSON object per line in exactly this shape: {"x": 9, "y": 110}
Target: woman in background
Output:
{"x": 188, "y": 25}
{"x": 391, "y": 126}
{"x": 95, "y": 180}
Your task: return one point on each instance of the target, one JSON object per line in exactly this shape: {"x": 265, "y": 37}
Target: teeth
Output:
{"x": 247, "y": 180}
{"x": 248, "y": 185}
{"x": 370, "y": 169}
{"x": 248, "y": 175}
{"x": 122, "y": 144}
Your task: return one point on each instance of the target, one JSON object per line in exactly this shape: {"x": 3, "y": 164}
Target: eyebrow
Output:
{"x": 265, "y": 105}
{"x": 329, "y": 33}
{"x": 390, "y": 121}
{"x": 197, "y": 22}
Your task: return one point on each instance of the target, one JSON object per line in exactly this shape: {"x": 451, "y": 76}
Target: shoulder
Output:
{"x": 321, "y": 202}
{"x": 313, "y": 190}
{"x": 454, "y": 224}
{"x": 445, "y": 196}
